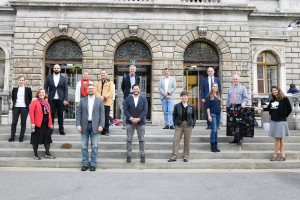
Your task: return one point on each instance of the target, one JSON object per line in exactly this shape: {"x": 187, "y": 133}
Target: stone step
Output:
{"x": 158, "y": 146}
{"x": 109, "y": 163}
{"x": 151, "y": 154}
{"x": 159, "y": 138}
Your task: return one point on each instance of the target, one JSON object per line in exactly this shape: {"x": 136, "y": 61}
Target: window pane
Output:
{"x": 260, "y": 71}
{"x": 2, "y": 72}
{"x": 271, "y": 72}
{"x": 270, "y": 84}
{"x": 261, "y": 57}
{"x": 261, "y": 86}
{"x": 2, "y": 54}
{"x": 270, "y": 58}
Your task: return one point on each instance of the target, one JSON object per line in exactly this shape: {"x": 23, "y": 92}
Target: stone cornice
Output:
{"x": 138, "y": 5}
{"x": 274, "y": 14}
{"x": 4, "y": 9}
{"x": 270, "y": 37}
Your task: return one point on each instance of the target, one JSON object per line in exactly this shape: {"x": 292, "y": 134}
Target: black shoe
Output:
{"x": 107, "y": 133}
{"x": 166, "y": 127}
{"x": 240, "y": 142}
{"x": 11, "y": 139}
{"x": 235, "y": 140}
{"x": 102, "y": 133}
{"x": 84, "y": 168}
{"x": 142, "y": 158}
{"x": 216, "y": 145}
{"x": 93, "y": 168}
{"x": 185, "y": 160}
{"x": 128, "y": 159}
{"x": 171, "y": 160}
{"x": 208, "y": 127}
{"x": 62, "y": 133}
{"x": 172, "y": 127}
{"x": 20, "y": 139}
{"x": 213, "y": 147}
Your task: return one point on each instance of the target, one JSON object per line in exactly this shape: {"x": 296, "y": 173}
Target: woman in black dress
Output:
{"x": 41, "y": 124}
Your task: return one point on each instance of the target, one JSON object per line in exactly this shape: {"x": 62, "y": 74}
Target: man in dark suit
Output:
{"x": 135, "y": 105}
{"x": 90, "y": 119}
{"x": 206, "y": 87}
{"x": 57, "y": 86}
{"x": 127, "y": 83}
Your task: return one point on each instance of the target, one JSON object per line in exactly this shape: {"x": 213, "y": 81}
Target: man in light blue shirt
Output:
{"x": 132, "y": 81}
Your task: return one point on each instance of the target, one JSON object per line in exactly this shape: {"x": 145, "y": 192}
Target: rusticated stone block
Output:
{"x": 87, "y": 54}
{"x": 35, "y": 64}
{"x": 145, "y": 35}
{"x": 42, "y": 42}
{"x": 154, "y": 43}
{"x": 190, "y": 36}
{"x": 226, "y": 56}
{"x": 150, "y": 39}
{"x": 213, "y": 37}
{"x": 36, "y": 82}
{"x": 80, "y": 38}
{"x": 34, "y": 76}
{"x": 222, "y": 45}
{"x": 39, "y": 47}
{"x": 70, "y": 32}
{"x": 38, "y": 53}
{"x": 177, "y": 72}
{"x": 46, "y": 37}
{"x": 56, "y": 32}
{"x": 219, "y": 40}
{"x": 121, "y": 35}
{"x": 195, "y": 34}
{"x": 84, "y": 42}
{"x": 140, "y": 33}
{"x": 181, "y": 44}
{"x": 116, "y": 38}
{"x": 179, "y": 49}
{"x": 156, "y": 49}
{"x": 86, "y": 48}
{"x": 36, "y": 70}
{"x": 108, "y": 54}
{"x": 109, "y": 48}
{"x": 208, "y": 35}
{"x": 75, "y": 34}
{"x": 126, "y": 33}
{"x": 185, "y": 40}
{"x": 112, "y": 43}
{"x": 178, "y": 55}
{"x": 157, "y": 55}
{"x": 50, "y": 33}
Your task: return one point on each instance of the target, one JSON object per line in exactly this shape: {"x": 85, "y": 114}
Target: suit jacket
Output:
{"x": 108, "y": 91}
{"x": 62, "y": 88}
{"x": 205, "y": 87}
{"x": 171, "y": 87}
{"x": 28, "y": 96}
{"x": 142, "y": 104}
{"x": 126, "y": 85}
{"x": 82, "y": 114}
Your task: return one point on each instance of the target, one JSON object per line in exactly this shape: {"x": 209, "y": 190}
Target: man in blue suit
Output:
{"x": 206, "y": 87}
{"x": 57, "y": 86}
{"x": 141, "y": 107}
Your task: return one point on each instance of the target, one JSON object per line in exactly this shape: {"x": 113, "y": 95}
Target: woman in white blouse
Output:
{"x": 81, "y": 87}
{"x": 21, "y": 98}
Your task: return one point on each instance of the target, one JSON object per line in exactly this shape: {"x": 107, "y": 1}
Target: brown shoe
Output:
{"x": 282, "y": 159}
{"x": 274, "y": 158}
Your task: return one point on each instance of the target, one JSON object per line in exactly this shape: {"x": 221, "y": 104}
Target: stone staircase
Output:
{"x": 253, "y": 154}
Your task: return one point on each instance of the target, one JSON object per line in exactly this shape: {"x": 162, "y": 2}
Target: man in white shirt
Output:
{"x": 89, "y": 122}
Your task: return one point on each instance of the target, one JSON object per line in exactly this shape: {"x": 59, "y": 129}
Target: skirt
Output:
{"x": 279, "y": 129}
{"x": 42, "y": 135}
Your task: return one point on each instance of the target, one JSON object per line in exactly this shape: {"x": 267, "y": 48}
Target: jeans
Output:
{"x": 16, "y": 113}
{"x": 214, "y": 127}
{"x": 168, "y": 107}
{"x": 94, "y": 146}
{"x": 208, "y": 122}
{"x": 57, "y": 104}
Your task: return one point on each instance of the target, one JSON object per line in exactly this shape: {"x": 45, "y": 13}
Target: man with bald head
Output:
{"x": 206, "y": 87}
{"x": 57, "y": 89}
{"x": 237, "y": 95}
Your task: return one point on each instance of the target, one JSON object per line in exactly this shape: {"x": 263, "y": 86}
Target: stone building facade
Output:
{"x": 239, "y": 31}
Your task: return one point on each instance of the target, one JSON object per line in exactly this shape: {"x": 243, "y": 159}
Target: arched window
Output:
{"x": 2, "y": 69}
{"x": 267, "y": 72}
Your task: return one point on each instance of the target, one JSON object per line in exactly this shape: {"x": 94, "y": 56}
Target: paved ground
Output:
{"x": 67, "y": 184}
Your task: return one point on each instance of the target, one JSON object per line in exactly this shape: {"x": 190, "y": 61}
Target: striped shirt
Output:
{"x": 241, "y": 95}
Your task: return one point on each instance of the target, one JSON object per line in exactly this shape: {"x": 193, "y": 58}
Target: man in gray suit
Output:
{"x": 90, "y": 119}
{"x": 167, "y": 86}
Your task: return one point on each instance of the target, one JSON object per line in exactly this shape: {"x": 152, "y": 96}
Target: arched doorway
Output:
{"x": 68, "y": 55}
{"x": 136, "y": 52}
{"x": 198, "y": 57}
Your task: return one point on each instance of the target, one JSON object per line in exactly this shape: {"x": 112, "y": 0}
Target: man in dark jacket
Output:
{"x": 293, "y": 89}
{"x": 135, "y": 105}
{"x": 57, "y": 86}
{"x": 127, "y": 83}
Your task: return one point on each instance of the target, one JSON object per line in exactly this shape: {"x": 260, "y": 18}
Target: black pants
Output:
{"x": 58, "y": 105}
{"x": 106, "y": 124}
{"x": 16, "y": 113}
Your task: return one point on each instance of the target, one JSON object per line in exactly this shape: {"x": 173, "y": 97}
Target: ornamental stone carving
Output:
{"x": 133, "y": 29}
{"x": 63, "y": 29}
{"x": 202, "y": 31}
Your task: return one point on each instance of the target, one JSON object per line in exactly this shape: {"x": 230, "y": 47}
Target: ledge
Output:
{"x": 270, "y": 37}
{"x": 7, "y": 32}
{"x": 16, "y": 4}
{"x": 274, "y": 14}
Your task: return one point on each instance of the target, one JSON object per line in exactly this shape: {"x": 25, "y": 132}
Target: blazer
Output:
{"x": 205, "y": 87}
{"x": 142, "y": 104}
{"x": 108, "y": 91}
{"x": 191, "y": 115}
{"x": 36, "y": 113}
{"x": 126, "y": 85}
{"x": 284, "y": 107}
{"x": 28, "y": 96}
{"x": 62, "y": 88}
{"x": 78, "y": 91}
{"x": 82, "y": 114}
{"x": 171, "y": 87}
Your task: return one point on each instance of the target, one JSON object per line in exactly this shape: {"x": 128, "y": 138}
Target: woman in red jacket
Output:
{"x": 41, "y": 124}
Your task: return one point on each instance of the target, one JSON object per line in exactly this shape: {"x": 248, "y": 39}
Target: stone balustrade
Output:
{"x": 296, "y": 110}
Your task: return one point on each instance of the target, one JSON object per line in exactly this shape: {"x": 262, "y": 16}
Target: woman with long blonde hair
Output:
{"x": 214, "y": 114}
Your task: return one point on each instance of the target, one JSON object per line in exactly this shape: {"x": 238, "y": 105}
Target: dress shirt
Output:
{"x": 56, "y": 78}
{"x": 91, "y": 105}
{"x": 136, "y": 99}
{"x": 20, "y": 101}
{"x": 166, "y": 84}
{"x": 209, "y": 81}
{"x": 241, "y": 95}
{"x": 132, "y": 81}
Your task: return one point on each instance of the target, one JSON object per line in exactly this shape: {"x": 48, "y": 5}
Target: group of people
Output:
{"x": 94, "y": 100}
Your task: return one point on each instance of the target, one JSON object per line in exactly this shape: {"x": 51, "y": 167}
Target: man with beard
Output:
{"x": 104, "y": 91}
{"x": 135, "y": 108}
{"x": 57, "y": 86}
{"x": 90, "y": 122}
